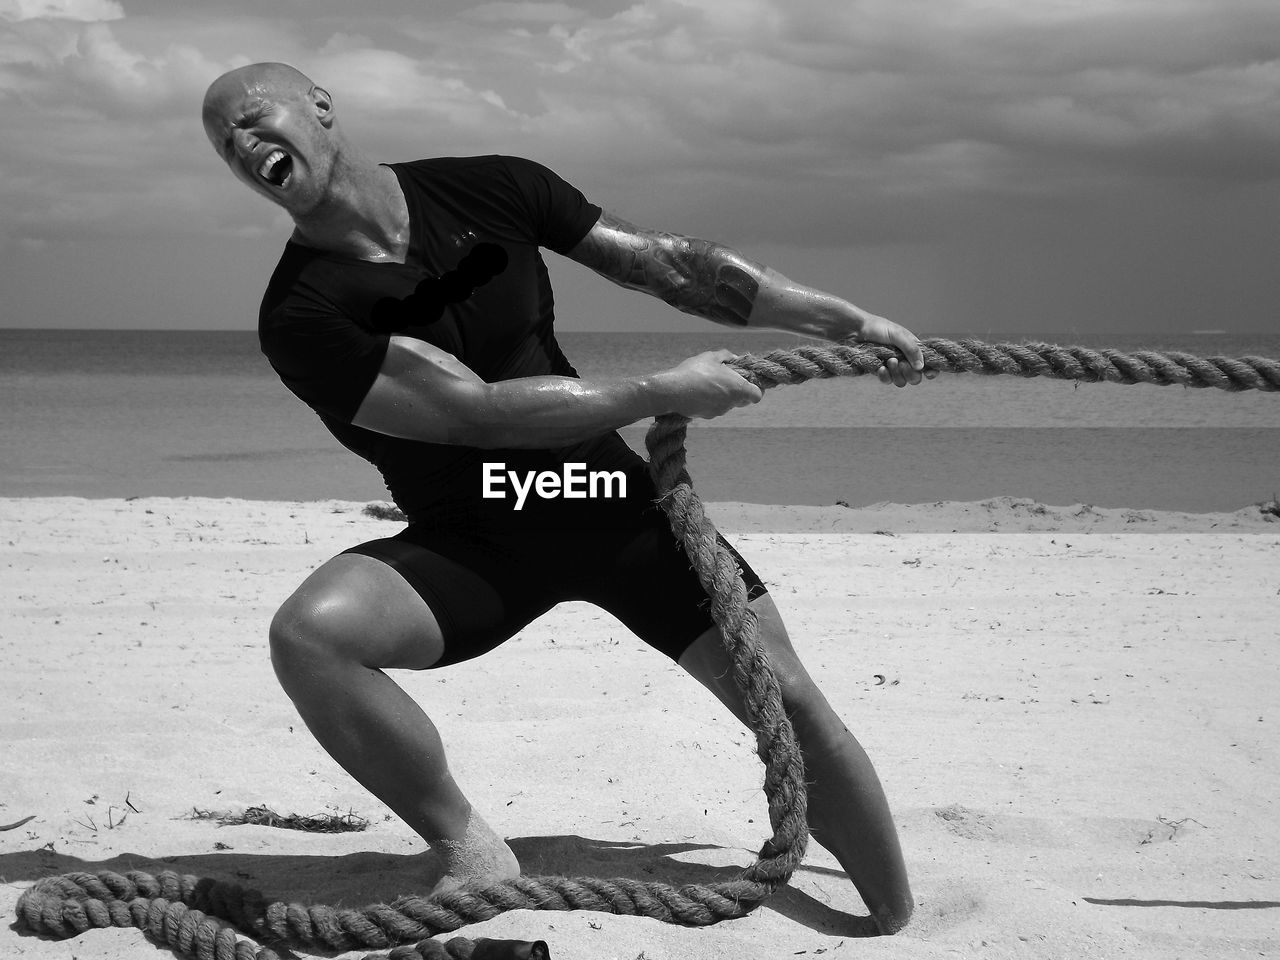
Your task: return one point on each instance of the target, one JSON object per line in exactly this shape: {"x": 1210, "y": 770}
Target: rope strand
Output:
{"x": 821, "y": 361}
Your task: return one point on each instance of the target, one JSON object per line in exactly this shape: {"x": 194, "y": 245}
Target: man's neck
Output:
{"x": 364, "y": 215}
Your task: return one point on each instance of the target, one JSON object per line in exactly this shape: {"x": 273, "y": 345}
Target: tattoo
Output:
{"x": 697, "y": 276}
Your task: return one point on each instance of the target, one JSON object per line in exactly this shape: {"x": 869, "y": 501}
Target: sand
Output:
{"x": 1073, "y": 711}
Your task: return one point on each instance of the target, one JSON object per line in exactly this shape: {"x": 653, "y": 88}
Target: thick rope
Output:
{"x": 819, "y": 361}
{"x": 198, "y": 917}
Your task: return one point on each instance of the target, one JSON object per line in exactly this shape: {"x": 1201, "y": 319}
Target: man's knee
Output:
{"x": 354, "y": 610}
{"x": 708, "y": 661}
{"x": 304, "y": 630}
{"x": 794, "y": 682}
{"x": 802, "y": 699}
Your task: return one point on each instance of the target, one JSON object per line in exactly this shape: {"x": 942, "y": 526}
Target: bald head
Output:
{"x": 275, "y": 129}
{"x": 272, "y": 82}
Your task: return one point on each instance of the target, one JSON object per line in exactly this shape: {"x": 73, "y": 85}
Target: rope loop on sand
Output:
{"x": 199, "y": 917}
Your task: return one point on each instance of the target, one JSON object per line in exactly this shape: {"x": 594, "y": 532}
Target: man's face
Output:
{"x": 274, "y": 138}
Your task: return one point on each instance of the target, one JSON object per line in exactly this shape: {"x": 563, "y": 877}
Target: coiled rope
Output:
{"x": 195, "y": 917}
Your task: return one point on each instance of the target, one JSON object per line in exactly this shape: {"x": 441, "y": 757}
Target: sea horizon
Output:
{"x": 125, "y": 413}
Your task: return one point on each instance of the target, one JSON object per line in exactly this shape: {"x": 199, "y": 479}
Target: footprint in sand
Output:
{"x": 998, "y": 828}
{"x": 970, "y": 824}
{"x": 1062, "y": 832}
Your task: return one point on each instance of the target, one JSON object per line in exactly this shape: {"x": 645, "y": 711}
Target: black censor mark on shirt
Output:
{"x": 427, "y": 302}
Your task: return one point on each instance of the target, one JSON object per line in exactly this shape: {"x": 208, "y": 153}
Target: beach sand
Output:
{"x": 1073, "y": 712}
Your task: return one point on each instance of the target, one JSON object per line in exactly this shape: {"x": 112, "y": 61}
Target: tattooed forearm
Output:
{"x": 697, "y": 276}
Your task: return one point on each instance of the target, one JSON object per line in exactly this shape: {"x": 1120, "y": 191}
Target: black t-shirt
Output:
{"x": 319, "y": 320}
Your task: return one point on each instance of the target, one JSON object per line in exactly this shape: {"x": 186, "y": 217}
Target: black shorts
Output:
{"x": 487, "y": 580}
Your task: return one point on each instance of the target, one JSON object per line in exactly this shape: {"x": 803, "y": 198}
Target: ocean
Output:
{"x": 200, "y": 413}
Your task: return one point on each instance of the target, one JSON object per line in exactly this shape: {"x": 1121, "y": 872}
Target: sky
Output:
{"x": 1033, "y": 167}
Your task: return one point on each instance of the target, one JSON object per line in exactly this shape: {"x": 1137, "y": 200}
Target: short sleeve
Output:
{"x": 329, "y": 362}
{"x": 559, "y": 213}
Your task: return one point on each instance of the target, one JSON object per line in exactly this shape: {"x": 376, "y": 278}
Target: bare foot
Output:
{"x": 480, "y": 856}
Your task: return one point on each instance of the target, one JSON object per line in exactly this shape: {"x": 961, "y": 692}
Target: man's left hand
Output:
{"x": 898, "y": 371}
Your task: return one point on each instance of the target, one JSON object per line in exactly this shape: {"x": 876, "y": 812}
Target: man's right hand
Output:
{"x": 704, "y": 387}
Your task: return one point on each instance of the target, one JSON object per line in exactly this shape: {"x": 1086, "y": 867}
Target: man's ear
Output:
{"x": 323, "y": 104}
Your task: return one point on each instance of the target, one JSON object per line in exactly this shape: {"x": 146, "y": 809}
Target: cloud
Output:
{"x": 858, "y": 119}
{"x": 384, "y": 81}
{"x": 983, "y": 132}
{"x": 528, "y": 13}
{"x": 84, "y": 10}
{"x": 884, "y": 99}
{"x": 102, "y": 130}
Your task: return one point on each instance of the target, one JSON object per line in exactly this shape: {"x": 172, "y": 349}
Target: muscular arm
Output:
{"x": 424, "y": 393}
{"x": 718, "y": 283}
{"x": 699, "y": 277}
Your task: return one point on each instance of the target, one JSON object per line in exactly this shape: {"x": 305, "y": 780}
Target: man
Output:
{"x": 432, "y": 396}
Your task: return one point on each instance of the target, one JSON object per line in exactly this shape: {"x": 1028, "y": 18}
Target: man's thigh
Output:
{"x": 478, "y": 596}
{"x": 645, "y": 579}
{"x": 361, "y": 609}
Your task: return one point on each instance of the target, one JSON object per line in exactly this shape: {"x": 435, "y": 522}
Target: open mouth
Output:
{"x": 276, "y": 168}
